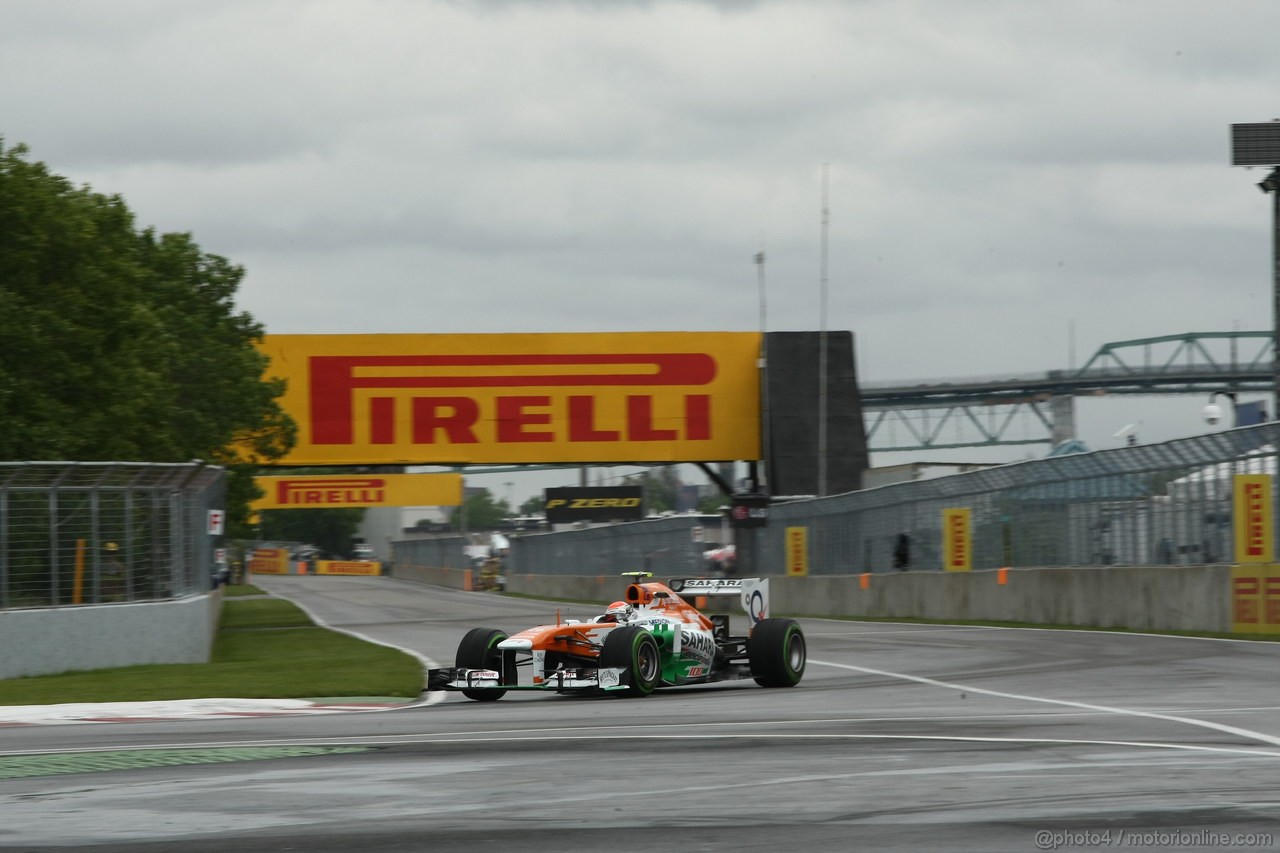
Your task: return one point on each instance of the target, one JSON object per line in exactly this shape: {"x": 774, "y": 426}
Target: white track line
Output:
{"x": 1151, "y": 715}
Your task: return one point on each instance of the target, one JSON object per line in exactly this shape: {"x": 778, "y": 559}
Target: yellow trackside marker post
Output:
{"x": 1254, "y": 527}
{"x": 957, "y": 539}
{"x": 797, "y": 551}
{"x": 864, "y": 580}
{"x": 76, "y": 595}
{"x": 1002, "y": 576}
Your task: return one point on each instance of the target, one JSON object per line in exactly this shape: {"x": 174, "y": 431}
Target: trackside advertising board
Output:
{"x": 1254, "y": 528}
{"x": 598, "y": 503}
{"x": 327, "y": 491}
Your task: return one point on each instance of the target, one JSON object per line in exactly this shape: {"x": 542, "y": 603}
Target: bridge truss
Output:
{"x": 1039, "y": 409}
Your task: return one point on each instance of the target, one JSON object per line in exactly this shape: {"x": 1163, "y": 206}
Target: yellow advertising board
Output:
{"x": 326, "y": 491}
{"x": 1255, "y": 598}
{"x": 1254, "y": 523}
{"x": 797, "y": 551}
{"x": 347, "y": 567}
{"x": 957, "y": 539}
{"x": 520, "y": 398}
{"x": 269, "y": 561}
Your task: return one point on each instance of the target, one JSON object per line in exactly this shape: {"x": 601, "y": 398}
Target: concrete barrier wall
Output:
{"x": 1142, "y": 598}
{"x": 451, "y": 578}
{"x": 100, "y": 637}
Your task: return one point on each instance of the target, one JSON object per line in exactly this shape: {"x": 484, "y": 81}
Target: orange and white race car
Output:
{"x": 650, "y": 638}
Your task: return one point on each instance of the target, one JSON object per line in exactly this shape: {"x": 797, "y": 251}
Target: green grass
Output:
{"x": 265, "y": 649}
{"x": 240, "y": 589}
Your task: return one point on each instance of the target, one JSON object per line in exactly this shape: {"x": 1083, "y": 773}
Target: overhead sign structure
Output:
{"x": 598, "y": 503}
{"x": 1255, "y": 144}
{"x": 520, "y": 398}
{"x": 330, "y": 491}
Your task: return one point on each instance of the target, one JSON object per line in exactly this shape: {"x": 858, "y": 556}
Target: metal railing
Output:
{"x": 105, "y": 533}
{"x": 1159, "y": 504}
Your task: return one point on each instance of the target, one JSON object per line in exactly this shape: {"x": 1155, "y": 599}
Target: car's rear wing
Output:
{"x": 753, "y": 593}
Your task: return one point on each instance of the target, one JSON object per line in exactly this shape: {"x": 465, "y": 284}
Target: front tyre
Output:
{"x": 479, "y": 650}
{"x": 777, "y": 651}
{"x": 636, "y": 651}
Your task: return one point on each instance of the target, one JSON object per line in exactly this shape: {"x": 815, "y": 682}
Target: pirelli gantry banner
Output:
{"x": 523, "y": 398}
{"x": 325, "y": 491}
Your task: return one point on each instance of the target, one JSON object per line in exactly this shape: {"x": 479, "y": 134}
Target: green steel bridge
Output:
{"x": 978, "y": 412}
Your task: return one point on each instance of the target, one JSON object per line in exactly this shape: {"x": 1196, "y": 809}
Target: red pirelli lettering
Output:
{"x": 334, "y": 379}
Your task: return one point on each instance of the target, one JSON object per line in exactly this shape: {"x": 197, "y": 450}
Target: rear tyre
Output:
{"x": 479, "y": 650}
{"x": 777, "y": 651}
{"x": 636, "y": 651}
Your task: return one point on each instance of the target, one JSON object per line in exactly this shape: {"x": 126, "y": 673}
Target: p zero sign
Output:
{"x": 526, "y": 398}
{"x": 601, "y": 503}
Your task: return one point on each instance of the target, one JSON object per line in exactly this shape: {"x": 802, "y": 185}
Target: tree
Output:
{"x": 660, "y": 489}
{"x": 330, "y": 530}
{"x": 483, "y": 512}
{"x": 533, "y": 506}
{"x": 123, "y": 345}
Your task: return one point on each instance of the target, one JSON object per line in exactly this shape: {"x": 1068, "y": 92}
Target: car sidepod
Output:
{"x": 777, "y": 651}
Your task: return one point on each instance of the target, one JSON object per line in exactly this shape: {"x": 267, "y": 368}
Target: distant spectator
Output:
{"x": 902, "y": 552}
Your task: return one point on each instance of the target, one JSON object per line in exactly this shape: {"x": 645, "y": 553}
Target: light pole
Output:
{"x": 1271, "y": 185}
{"x": 1258, "y": 144}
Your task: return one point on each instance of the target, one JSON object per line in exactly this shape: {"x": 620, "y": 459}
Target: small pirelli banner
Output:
{"x": 1255, "y": 598}
{"x": 348, "y": 567}
{"x": 328, "y": 491}
{"x": 957, "y": 539}
{"x": 1254, "y": 522}
{"x": 797, "y": 551}
{"x": 269, "y": 561}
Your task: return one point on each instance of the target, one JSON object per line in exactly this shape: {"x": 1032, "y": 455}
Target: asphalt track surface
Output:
{"x": 900, "y": 737}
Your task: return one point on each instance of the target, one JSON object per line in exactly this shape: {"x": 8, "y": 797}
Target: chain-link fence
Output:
{"x": 669, "y": 546}
{"x": 1160, "y": 504}
{"x": 104, "y": 533}
{"x": 439, "y": 552}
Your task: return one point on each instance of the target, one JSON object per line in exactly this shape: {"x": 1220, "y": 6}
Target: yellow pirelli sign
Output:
{"x": 1254, "y": 522}
{"x": 269, "y": 561}
{"x": 1255, "y": 598}
{"x": 324, "y": 491}
{"x": 348, "y": 567}
{"x": 957, "y": 539}
{"x": 797, "y": 551}
{"x": 520, "y": 398}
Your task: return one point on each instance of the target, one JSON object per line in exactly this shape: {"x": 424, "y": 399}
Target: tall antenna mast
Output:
{"x": 822, "y": 344}
{"x": 763, "y": 368}
{"x": 764, "y": 310}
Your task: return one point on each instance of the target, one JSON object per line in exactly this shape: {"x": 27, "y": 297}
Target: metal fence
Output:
{"x": 669, "y": 546}
{"x": 440, "y": 552}
{"x": 1160, "y": 504}
{"x": 105, "y": 533}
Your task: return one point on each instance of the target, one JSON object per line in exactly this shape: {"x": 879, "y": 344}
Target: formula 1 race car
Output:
{"x": 652, "y": 638}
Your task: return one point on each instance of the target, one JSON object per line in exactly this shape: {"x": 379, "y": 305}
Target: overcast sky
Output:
{"x": 1000, "y": 172}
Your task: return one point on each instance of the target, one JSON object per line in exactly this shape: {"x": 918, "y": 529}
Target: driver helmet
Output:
{"x": 619, "y": 611}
